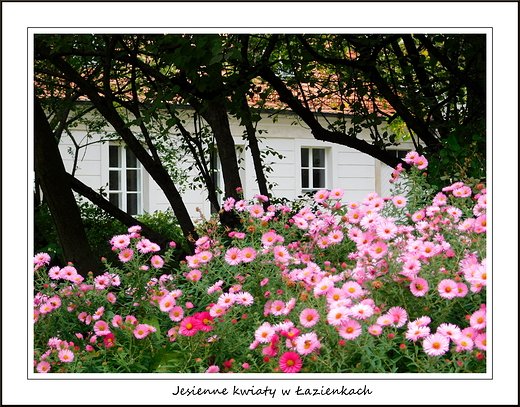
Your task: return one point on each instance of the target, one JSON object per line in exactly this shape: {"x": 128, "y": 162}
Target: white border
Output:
{"x": 370, "y": 17}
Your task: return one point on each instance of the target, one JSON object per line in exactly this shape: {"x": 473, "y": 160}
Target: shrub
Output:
{"x": 393, "y": 284}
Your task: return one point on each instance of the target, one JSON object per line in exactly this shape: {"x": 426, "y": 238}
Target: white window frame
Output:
{"x": 123, "y": 191}
{"x": 311, "y": 187}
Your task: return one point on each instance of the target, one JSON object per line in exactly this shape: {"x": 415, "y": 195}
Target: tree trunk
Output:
{"x": 216, "y": 116}
{"x": 54, "y": 182}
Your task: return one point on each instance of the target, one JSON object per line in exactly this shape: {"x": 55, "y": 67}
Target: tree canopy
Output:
{"x": 428, "y": 88}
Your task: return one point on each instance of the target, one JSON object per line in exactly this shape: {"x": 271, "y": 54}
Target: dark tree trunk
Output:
{"x": 216, "y": 116}
{"x": 255, "y": 152}
{"x": 54, "y": 182}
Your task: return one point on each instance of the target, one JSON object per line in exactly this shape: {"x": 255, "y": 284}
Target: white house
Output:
{"x": 308, "y": 164}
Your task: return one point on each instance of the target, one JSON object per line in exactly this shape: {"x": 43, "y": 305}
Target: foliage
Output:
{"x": 391, "y": 285}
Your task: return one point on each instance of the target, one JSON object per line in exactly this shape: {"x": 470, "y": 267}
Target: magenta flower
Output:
{"x": 290, "y": 362}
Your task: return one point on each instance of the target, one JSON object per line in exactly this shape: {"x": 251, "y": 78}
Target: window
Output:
{"x": 125, "y": 180}
{"x": 313, "y": 168}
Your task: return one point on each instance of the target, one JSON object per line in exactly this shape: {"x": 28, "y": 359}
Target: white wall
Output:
{"x": 358, "y": 174}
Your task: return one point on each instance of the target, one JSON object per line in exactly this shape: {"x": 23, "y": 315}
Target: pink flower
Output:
{"x": 421, "y": 162}
{"x": 66, "y": 355}
{"x": 233, "y": 256}
{"x": 111, "y": 298}
{"x": 336, "y": 193}
{"x": 290, "y": 362}
{"x": 176, "y": 313}
{"x": 399, "y": 201}
{"x": 478, "y": 319}
{"x": 270, "y": 238}
{"x": 141, "y": 331}
{"x": 361, "y": 311}
{"x": 43, "y": 367}
{"x": 212, "y": 369}
{"x": 264, "y": 333}
{"x": 375, "y": 330}
{"x": 120, "y": 241}
{"x": 167, "y": 303}
{"x": 244, "y": 298}
{"x": 277, "y": 307}
{"x": 309, "y": 317}
{"x": 450, "y": 331}
{"x": 399, "y": 316}
{"x": 194, "y": 275}
{"x": 42, "y": 258}
{"x": 157, "y": 261}
{"x": 117, "y": 320}
{"x": 126, "y": 255}
{"x": 248, "y": 254}
{"x": 338, "y": 316}
{"x": 350, "y": 329}
{"x": 307, "y": 343}
{"x": 101, "y": 328}
{"x": 419, "y": 287}
{"x": 321, "y": 196}
{"x": 256, "y": 211}
{"x": 436, "y": 344}
{"x": 447, "y": 289}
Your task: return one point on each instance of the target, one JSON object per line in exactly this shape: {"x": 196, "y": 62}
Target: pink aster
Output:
{"x": 436, "y": 344}
{"x": 399, "y": 316}
{"x": 217, "y": 310}
{"x": 117, "y": 321}
{"x": 270, "y": 238}
{"x": 226, "y": 299}
{"x": 450, "y": 331}
{"x": 157, "y": 261}
{"x": 375, "y": 330}
{"x": 309, "y": 317}
{"x": 233, "y": 256}
{"x": 256, "y": 211}
{"x": 378, "y": 250}
{"x": 481, "y": 341}
{"x": 167, "y": 303}
{"x": 248, "y": 254}
{"x": 190, "y": 326}
{"x": 176, "y": 313}
{"x": 212, "y": 369}
{"x": 141, "y": 331}
{"x": 43, "y": 367}
{"x": 120, "y": 241}
{"x": 42, "y": 258}
{"x": 361, "y": 311}
{"x": 244, "y": 298}
{"x": 419, "y": 287}
{"x": 350, "y": 329}
{"x": 264, "y": 333}
{"x": 447, "y": 289}
{"x": 352, "y": 289}
{"x": 337, "y": 316}
{"x": 206, "y": 321}
{"x": 290, "y": 362}
{"x": 307, "y": 343}
{"x": 416, "y": 332}
{"x": 478, "y": 319}
{"x": 462, "y": 192}
{"x": 194, "y": 275}
{"x": 101, "y": 328}
{"x": 464, "y": 343}
{"x": 323, "y": 286}
{"x": 336, "y": 193}
{"x": 126, "y": 255}
{"x": 66, "y": 355}
{"x": 399, "y": 201}
{"x": 54, "y": 273}
{"x": 281, "y": 254}
{"x": 321, "y": 196}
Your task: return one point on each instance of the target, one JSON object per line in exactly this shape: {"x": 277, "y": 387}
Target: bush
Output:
{"x": 385, "y": 285}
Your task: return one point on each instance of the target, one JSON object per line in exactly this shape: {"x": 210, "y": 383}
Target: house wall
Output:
{"x": 356, "y": 173}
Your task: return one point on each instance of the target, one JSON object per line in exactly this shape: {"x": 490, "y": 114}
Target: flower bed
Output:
{"x": 393, "y": 284}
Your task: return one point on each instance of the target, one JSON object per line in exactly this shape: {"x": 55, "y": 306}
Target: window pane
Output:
{"x": 132, "y": 180}
{"x": 318, "y": 178}
{"x": 131, "y": 204}
{"x": 131, "y": 159}
{"x": 305, "y": 178}
{"x": 114, "y": 183}
{"x": 318, "y": 157}
{"x": 114, "y": 199}
{"x": 305, "y": 157}
{"x": 113, "y": 157}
